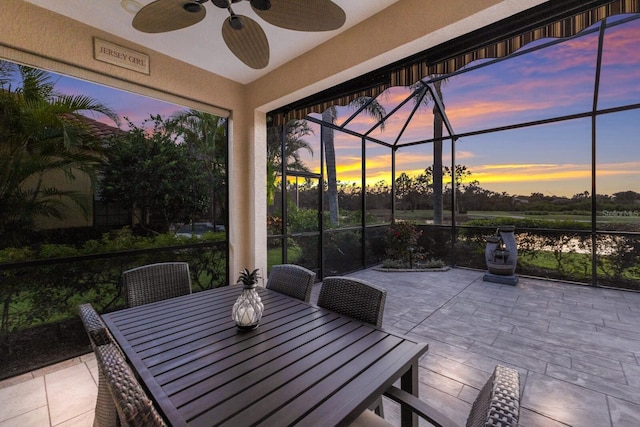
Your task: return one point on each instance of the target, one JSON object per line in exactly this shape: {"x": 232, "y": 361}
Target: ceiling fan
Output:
{"x": 243, "y": 36}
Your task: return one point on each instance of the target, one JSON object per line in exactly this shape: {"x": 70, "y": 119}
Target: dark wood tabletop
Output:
{"x": 304, "y": 365}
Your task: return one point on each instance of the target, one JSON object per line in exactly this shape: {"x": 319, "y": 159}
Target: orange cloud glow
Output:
{"x": 517, "y": 178}
{"x": 527, "y": 173}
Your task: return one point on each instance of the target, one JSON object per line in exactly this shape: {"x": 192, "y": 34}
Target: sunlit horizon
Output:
{"x": 562, "y": 180}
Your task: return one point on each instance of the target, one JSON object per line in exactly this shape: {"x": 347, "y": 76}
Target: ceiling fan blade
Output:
{"x": 168, "y": 15}
{"x": 304, "y": 15}
{"x": 249, "y": 43}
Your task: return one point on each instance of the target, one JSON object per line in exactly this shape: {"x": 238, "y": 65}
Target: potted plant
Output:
{"x": 248, "y": 308}
{"x": 401, "y": 241}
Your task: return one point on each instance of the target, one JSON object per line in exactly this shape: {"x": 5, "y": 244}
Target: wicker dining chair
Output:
{"x": 355, "y": 298}
{"x": 105, "y": 413}
{"x": 134, "y": 408}
{"x": 292, "y": 280}
{"x": 497, "y": 404}
{"x": 156, "y": 282}
{"x": 93, "y": 324}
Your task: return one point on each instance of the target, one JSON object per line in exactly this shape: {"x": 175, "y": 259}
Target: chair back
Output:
{"x": 93, "y": 324}
{"x": 355, "y": 298}
{"x": 133, "y": 406}
{"x": 292, "y": 280}
{"x": 498, "y": 403}
{"x": 156, "y": 282}
{"x": 106, "y": 414}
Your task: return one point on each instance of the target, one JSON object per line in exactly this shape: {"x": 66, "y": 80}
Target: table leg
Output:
{"x": 409, "y": 383}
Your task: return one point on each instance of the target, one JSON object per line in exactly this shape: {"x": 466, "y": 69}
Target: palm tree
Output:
{"x": 41, "y": 132}
{"x": 295, "y": 132}
{"x": 437, "y": 156}
{"x": 371, "y": 107}
{"x": 438, "y": 122}
{"x": 205, "y": 135}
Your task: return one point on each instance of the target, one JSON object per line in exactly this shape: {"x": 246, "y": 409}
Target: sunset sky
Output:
{"x": 553, "y": 159}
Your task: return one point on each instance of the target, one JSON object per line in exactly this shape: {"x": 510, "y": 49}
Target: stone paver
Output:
{"x": 576, "y": 347}
{"x": 577, "y": 350}
{"x": 22, "y": 398}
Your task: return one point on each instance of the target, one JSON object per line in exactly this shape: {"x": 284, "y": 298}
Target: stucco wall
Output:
{"x": 73, "y": 214}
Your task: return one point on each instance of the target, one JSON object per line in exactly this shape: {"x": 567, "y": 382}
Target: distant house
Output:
{"x": 521, "y": 199}
{"x": 100, "y": 213}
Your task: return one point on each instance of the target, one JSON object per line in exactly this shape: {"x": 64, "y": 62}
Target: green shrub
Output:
{"x": 302, "y": 220}
{"x": 418, "y": 263}
{"x": 49, "y": 292}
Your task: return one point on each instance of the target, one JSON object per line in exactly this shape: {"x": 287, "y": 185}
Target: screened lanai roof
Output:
{"x": 398, "y": 86}
{"x": 547, "y": 80}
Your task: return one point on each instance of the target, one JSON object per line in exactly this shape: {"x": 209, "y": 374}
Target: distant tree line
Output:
{"x": 416, "y": 193}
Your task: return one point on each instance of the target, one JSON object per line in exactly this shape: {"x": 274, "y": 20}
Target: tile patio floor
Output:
{"x": 577, "y": 350}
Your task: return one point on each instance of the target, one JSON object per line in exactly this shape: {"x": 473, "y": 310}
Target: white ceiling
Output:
{"x": 201, "y": 44}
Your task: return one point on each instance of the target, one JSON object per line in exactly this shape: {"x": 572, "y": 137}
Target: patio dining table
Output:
{"x": 303, "y": 365}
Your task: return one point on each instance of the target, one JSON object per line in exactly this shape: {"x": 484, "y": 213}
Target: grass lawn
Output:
{"x": 274, "y": 256}
{"x": 427, "y": 215}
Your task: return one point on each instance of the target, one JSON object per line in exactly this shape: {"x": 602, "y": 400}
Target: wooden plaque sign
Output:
{"x": 120, "y": 56}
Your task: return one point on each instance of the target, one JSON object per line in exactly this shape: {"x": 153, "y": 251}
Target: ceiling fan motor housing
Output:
{"x": 222, "y": 4}
{"x": 257, "y": 4}
{"x": 236, "y": 22}
{"x": 192, "y": 7}
{"x": 261, "y": 4}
